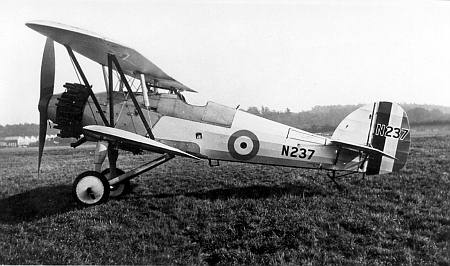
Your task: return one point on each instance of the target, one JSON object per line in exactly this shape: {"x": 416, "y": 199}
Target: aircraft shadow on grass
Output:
{"x": 37, "y": 203}
{"x": 252, "y": 192}
{"x": 51, "y": 200}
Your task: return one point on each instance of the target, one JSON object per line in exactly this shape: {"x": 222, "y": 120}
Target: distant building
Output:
{"x": 19, "y": 141}
{"x": 9, "y": 142}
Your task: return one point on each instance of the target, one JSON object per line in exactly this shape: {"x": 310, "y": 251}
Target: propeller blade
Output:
{"x": 47, "y": 85}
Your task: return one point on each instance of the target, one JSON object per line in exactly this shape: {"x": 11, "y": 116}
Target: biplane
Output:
{"x": 153, "y": 115}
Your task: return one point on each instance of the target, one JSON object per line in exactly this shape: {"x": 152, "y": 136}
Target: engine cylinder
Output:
{"x": 69, "y": 110}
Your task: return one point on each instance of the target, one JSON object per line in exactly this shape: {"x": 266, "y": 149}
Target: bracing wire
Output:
{"x": 131, "y": 81}
{"x": 123, "y": 104}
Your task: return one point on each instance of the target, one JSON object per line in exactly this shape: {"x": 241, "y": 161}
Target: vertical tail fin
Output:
{"x": 383, "y": 126}
{"x": 390, "y": 133}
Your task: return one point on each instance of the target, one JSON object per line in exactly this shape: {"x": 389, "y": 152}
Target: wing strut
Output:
{"x": 112, "y": 59}
{"x": 86, "y": 83}
{"x": 110, "y": 94}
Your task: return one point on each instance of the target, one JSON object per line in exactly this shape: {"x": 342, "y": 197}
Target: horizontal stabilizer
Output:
{"x": 131, "y": 140}
{"x": 363, "y": 148}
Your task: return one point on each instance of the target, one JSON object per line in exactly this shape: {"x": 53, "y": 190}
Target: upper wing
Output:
{"x": 132, "y": 140}
{"x": 363, "y": 148}
{"x": 96, "y": 48}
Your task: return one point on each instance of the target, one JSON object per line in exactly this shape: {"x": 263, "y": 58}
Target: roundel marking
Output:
{"x": 243, "y": 145}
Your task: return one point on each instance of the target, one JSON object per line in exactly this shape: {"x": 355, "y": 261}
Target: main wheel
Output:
{"x": 120, "y": 189}
{"x": 90, "y": 188}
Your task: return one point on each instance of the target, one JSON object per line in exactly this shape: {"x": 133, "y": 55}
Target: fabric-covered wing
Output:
{"x": 132, "y": 140}
{"x": 96, "y": 48}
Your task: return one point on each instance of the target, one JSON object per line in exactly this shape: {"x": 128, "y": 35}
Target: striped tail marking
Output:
{"x": 390, "y": 134}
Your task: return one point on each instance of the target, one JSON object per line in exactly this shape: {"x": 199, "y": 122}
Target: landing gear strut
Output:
{"x": 92, "y": 187}
{"x": 333, "y": 177}
{"x": 120, "y": 189}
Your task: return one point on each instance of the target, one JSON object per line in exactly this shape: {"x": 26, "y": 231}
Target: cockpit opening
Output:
{"x": 155, "y": 90}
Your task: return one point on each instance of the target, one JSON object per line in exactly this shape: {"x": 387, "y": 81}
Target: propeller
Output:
{"x": 47, "y": 85}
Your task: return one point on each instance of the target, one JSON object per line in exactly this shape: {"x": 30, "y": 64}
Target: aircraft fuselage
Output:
{"x": 218, "y": 132}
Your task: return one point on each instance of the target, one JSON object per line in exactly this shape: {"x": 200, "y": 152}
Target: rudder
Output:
{"x": 390, "y": 133}
{"x": 383, "y": 126}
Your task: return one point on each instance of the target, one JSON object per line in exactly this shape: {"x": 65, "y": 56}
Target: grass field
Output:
{"x": 185, "y": 212}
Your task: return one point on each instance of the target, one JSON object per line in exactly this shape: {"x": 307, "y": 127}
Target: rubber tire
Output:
{"x": 102, "y": 190}
{"x": 118, "y": 190}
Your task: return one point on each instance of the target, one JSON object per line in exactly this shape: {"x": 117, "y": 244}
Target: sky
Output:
{"x": 279, "y": 54}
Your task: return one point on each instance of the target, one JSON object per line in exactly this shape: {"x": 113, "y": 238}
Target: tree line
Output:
{"x": 318, "y": 119}
{"x": 326, "y": 118}
{"x": 25, "y": 129}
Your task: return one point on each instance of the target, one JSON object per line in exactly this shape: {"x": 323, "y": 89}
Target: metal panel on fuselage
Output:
{"x": 250, "y": 139}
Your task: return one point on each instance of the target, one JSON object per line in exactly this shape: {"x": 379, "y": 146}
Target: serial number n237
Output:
{"x": 296, "y": 152}
{"x": 391, "y": 132}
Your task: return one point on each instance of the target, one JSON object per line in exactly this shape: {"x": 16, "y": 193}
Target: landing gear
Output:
{"x": 119, "y": 189}
{"x": 91, "y": 188}
{"x": 334, "y": 178}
